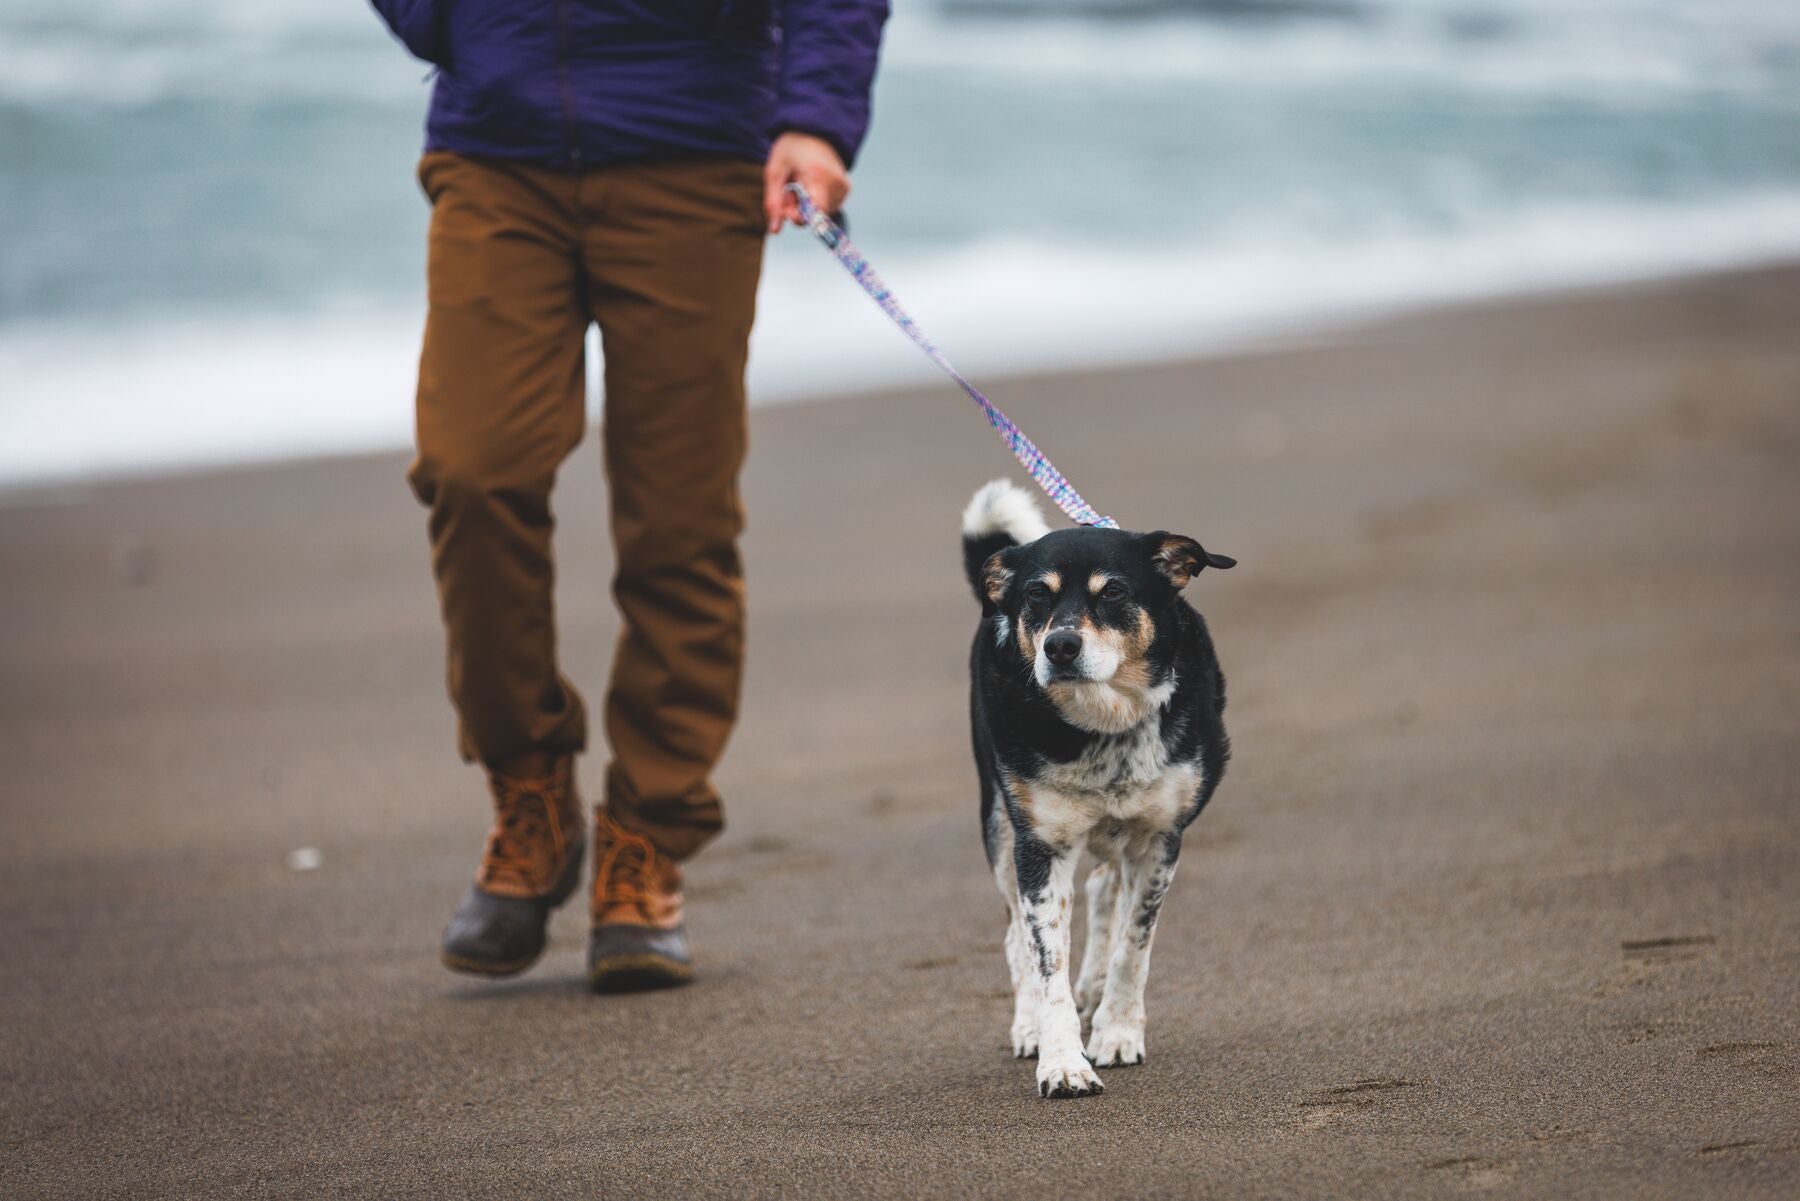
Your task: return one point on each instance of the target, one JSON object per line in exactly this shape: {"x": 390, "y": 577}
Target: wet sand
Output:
{"x": 1501, "y": 893}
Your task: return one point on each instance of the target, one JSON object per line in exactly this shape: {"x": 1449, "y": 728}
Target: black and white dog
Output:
{"x": 1097, "y": 707}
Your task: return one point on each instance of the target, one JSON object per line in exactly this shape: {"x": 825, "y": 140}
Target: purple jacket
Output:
{"x": 583, "y": 83}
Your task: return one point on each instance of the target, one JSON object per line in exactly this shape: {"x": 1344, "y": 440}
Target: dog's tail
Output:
{"x": 1000, "y": 514}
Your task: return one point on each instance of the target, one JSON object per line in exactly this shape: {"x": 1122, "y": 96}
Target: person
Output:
{"x": 616, "y": 162}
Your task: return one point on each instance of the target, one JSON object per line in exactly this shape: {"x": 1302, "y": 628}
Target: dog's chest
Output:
{"x": 1124, "y": 783}
{"x": 1113, "y": 767}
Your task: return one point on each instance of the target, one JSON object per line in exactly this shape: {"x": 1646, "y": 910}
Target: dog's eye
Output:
{"x": 1037, "y": 592}
{"x": 1114, "y": 591}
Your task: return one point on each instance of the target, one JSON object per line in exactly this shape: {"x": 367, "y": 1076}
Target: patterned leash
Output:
{"x": 1024, "y": 449}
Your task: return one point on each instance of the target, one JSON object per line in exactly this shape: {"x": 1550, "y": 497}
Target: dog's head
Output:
{"x": 1093, "y": 606}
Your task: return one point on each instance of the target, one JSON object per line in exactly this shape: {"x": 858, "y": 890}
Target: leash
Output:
{"x": 1035, "y": 462}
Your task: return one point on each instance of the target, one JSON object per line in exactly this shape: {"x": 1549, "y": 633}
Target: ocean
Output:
{"x": 212, "y": 245}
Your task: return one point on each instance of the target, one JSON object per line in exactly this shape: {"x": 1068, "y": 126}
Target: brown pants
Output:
{"x": 665, "y": 258}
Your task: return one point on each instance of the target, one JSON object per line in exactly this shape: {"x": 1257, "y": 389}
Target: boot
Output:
{"x": 531, "y": 864}
{"x": 638, "y": 940}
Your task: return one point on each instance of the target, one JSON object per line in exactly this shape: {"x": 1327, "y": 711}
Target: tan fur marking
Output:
{"x": 1044, "y": 826}
{"x": 1142, "y": 637}
{"x": 1051, "y": 580}
{"x": 1132, "y": 673}
{"x": 995, "y": 577}
{"x": 1027, "y": 641}
{"x": 1175, "y": 559}
{"x": 1097, "y": 582}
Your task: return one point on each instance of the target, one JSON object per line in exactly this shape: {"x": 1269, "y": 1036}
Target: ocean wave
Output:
{"x": 161, "y": 396}
{"x": 130, "y": 54}
{"x": 1521, "y": 49}
{"x": 1006, "y": 306}
{"x": 59, "y": 67}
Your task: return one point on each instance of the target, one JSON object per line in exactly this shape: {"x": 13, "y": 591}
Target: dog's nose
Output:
{"x": 1062, "y": 647}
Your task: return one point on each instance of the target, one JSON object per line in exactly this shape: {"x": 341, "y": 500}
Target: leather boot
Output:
{"x": 531, "y": 864}
{"x": 638, "y": 940}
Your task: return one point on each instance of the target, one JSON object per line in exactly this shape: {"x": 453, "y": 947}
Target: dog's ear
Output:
{"x": 997, "y": 576}
{"x": 1180, "y": 559}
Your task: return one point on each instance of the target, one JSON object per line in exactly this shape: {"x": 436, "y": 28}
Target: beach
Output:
{"x": 1501, "y": 892}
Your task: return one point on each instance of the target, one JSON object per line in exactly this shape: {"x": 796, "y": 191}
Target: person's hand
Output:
{"x": 814, "y": 165}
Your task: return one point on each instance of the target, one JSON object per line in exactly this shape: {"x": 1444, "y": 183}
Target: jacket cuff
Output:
{"x": 797, "y": 119}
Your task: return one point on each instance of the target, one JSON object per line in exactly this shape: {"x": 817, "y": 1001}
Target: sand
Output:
{"x": 1501, "y": 893}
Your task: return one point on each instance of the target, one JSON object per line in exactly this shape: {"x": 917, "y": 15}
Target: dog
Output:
{"x": 1097, "y": 713}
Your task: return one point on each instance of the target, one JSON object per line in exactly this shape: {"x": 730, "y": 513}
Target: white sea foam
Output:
{"x": 83, "y": 402}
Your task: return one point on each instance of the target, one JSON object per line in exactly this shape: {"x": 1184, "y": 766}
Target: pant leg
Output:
{"x": 673, "y": 252}
{"x": 500, "y": 405}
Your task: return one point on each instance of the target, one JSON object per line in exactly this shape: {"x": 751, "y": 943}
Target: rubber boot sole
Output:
{"x": 638, "y": 973}
{"x": 477, "y": 967}
{"x": 565, "y": 888}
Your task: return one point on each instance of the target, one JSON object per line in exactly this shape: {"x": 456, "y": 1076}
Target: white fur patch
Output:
{"x": 1002, "y": 629}
{"x": 1001, "y": 506}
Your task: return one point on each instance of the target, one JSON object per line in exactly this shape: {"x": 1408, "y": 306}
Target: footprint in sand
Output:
{"x": 1564, "y": 1136}
{"x": 1374, "y": 1084}
{"x": 1643, "y": 1032}
{"x": 1764, "y": 1058}
{"x": 1341, "y": 1101}
{"x": 1473, "y": 1172}
{"x": 1668, "y": 949}
{"x": 926, "y": 965}
{"x": 1315, "y": 1115}
{"x": 1642, "y": 959}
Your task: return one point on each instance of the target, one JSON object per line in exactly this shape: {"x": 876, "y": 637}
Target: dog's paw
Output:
{"x": 1116, "y": 1044}
{"x": 1070, "y": 1077}
{"x": 1024, "y": 1040}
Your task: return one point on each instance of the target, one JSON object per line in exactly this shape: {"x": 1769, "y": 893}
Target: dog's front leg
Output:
{"x": 1096, "y": 956}
{"x": 1025, "y": 987}
{"x": 1046, "y": 897}
{"x": 1118, "y": 1031}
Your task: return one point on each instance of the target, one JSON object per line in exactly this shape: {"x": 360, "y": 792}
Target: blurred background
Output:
{"x": 213, "y": 244}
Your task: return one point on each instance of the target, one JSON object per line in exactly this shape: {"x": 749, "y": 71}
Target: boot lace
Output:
{"x": 622, "y": 874}
{"x": 525, "y": 827}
